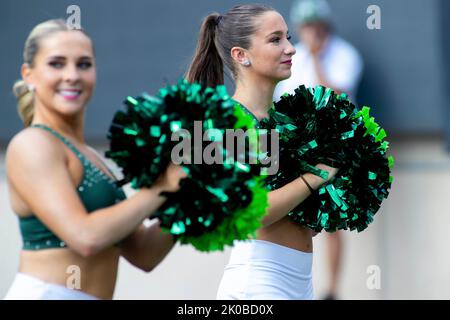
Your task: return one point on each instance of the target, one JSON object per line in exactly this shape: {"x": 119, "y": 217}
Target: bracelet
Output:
{"x": 307, "y": 184}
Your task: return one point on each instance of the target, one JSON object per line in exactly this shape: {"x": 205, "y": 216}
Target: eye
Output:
{"x": 56, "y": 64}
{"x": 275, "y": 40}
{"x": 84, "y": 65}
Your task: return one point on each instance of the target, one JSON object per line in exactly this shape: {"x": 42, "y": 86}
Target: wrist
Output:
{"x": 305, "y": 181}
{"x": 314, "y": 181}
{"x": 159, "y": 188}
{"x": 155, "y": 191}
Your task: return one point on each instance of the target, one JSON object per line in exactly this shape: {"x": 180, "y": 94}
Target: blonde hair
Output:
{"x": 23, "y": 92}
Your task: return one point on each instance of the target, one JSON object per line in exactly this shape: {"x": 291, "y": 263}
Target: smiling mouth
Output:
{"x": 69, "y": 94}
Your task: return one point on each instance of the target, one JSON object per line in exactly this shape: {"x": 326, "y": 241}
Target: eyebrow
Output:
{"x": 64, "y": 58}
{"x": 277, "y": 33}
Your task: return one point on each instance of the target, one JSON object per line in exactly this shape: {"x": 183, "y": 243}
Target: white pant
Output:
{"x": 26, "y": 287}
{"x": 266, "y": 271}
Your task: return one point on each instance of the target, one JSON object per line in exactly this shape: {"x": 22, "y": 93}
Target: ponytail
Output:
{"x": 218, "y": 35}
{"x": 25, "y": 101}
{"x": 207, "y": 65}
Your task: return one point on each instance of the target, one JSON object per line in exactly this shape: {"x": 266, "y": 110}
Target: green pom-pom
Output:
{"x": 242, "y": 225}
{"x": 216, "y": 201}
{"x": 318, "y": 126}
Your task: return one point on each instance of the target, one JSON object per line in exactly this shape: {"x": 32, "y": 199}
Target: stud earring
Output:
{"x": 246, "y": 63}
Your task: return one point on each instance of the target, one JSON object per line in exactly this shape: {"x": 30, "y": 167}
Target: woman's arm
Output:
{"x": 146, "y": 247}
{"x": 37, "y": 170}
{"x": 286, "y": 198}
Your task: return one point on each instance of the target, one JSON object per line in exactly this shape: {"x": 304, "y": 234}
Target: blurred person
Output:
{"x": 324, "y": 59}
{"x": 252, "y": 41}
{"x": 71, "y": 212}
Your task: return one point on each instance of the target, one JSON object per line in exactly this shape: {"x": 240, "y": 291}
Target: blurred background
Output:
{"x": 144, "y": 45}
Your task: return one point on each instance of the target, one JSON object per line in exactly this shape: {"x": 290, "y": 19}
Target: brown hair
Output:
{"x": 218, "y": 34}
{"x": 23, "y": 93}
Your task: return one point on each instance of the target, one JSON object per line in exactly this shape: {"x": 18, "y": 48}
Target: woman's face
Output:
{"x": 63, "y": 73}
{"x": 271, "y": 52}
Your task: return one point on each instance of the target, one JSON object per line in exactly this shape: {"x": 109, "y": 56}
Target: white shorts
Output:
{"x": 26, "y": 287}
{"x": 266, "y": 271}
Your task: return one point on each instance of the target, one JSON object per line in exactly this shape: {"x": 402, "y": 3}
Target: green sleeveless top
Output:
{"x": 97, "y": 190}
{"x": 247, "y": 111}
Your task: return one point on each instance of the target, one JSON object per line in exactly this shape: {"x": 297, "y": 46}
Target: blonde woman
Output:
{"x": 71, "y": 213}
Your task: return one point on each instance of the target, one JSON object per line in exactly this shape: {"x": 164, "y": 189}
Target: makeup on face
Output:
{"x": 65, "y": 71}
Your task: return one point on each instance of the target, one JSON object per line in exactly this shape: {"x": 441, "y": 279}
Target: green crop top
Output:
{"x": 97, "y": 190}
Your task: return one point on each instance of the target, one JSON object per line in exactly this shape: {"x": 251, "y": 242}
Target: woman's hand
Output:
{"x": 169, "y": 181}
{"x": 331, "y": 171}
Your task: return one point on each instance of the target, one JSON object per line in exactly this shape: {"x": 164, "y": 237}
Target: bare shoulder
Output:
{"x": 32, "y": 147}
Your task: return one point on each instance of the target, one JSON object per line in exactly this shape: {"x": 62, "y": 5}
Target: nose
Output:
{"x": 290, "y": 50}
{"x": 71, "y": 73}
